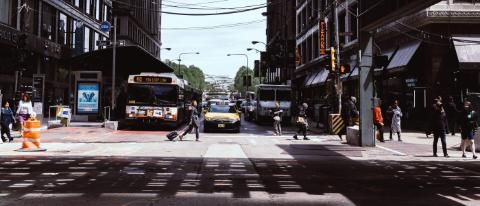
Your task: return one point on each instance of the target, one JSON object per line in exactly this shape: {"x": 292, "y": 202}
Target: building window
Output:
{"x": 78, "y": 33}
{"x": 62, "y": 29}
{"x": 88, "y": 7}
{"x": 96, "y": 38}
{"x": 6, "y": 11}
{"x": 79, "y": 4}
{"x": 48, "y": 22}
{"x": 98, "y": 9}
{"x": 87, "y": 43}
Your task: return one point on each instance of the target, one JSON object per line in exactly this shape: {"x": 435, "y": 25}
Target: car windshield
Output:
{"x": 157, "y": 95}
{"x": 284, "y": 95}
{"x": 222, "y": 109}
{"x": 267, "y": 95}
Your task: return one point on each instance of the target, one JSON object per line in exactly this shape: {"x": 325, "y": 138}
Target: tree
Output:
{"x": 238, "y": 81}
{"x": 192, "y": 74}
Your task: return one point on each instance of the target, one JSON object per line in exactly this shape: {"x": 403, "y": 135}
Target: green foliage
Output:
{"x": 192, "y": 74}
{"x": 238, "y": 81}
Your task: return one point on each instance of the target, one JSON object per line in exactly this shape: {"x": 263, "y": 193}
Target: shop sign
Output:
{"x": 411, "y": 82}
{"x": 88, "y": 97}
{"x": 323, "y": 46}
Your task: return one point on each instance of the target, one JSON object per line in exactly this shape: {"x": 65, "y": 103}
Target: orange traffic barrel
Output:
{"x": 31, "y": 136}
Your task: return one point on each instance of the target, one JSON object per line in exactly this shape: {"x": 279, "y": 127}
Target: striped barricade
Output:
{"x": 31, "y": 136}
{"x": 335, "y": 123}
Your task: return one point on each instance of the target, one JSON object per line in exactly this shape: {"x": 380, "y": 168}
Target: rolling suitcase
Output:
{"x": 172, "y": 135}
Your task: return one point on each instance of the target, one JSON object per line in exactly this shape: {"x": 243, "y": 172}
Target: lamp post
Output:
{"x": 259, "y": 42}
{"x": 246, "y": 56}
{"x": 180, "y": 60}
{"x": 256, "y": 50}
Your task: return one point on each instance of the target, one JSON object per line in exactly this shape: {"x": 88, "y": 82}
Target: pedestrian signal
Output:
{"x": 344, "y": 69}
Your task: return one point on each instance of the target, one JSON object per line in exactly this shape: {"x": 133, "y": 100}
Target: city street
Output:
{"x": 249, "y": 168}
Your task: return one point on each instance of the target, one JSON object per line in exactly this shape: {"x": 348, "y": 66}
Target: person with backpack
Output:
{"x": 7, "y": 118}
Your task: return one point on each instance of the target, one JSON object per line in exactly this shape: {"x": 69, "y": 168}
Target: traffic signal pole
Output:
{"x": 338, "y": 81}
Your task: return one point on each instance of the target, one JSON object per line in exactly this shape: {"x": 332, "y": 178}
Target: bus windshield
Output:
{"x": 283, "y": 95}
{"x": 155, "y": 95}
{"x": 267, "y": 95}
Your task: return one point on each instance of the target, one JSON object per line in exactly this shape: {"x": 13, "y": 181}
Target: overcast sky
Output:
{"x": 213, "y": 44}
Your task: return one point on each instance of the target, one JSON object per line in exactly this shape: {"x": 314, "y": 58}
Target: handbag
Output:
{"x": 300, "y": 120}
{"x": 276, "y": 118}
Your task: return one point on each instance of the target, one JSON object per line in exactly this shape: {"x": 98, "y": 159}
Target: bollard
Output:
{"x": 31, "y": 136}
{"x": 335, "y": 123}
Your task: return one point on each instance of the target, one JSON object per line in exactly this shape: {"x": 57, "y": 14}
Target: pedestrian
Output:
{"x": 24, "y": 110}
{"x": 469, "y": 125}
{"x": 439, "y": 127}
{"x": 7, "y": 118}
{"x": 348, "y": 111}
{"x": 396, "y": 121}
{"x": 452, "y": 114}
{"x": 302, "y": 122}
{"x": 378, "y": 121}
{"x": 193, "y": 122}
{"x": 277, "y": 119}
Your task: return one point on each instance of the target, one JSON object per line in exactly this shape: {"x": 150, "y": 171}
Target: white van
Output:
{"x": 267, "y": 95}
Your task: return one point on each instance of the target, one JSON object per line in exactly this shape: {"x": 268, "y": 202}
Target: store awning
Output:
{"x": 308, "y": 81}
{"x": 403, "y": 55}
{"x": 129, "y": 60}
{"x": 321, "y": 77}
{"x": 468, "y": 51}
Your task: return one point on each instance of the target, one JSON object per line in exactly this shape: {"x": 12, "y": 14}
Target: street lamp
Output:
{"x": 246, "y": 56}
{"x": 168, "y": 48}
{"x": 250, "y": 49}
{"x": 257, "y": 42}
{"x": 180, "y": 59}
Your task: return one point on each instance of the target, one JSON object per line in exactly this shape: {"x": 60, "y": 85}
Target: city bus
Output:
{"x": 159, "y": 99}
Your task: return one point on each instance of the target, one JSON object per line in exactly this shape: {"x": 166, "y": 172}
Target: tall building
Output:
{"x": 39, "y": 36}
{"x": 55, "y": 39}
{"x": 430, "y": 53}
{"x": 277, "y": 63}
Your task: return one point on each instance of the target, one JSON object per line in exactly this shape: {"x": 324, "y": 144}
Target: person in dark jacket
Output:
{"x": 5, "y": 121}
{"x": 439, "y": 127}
{"x": 194, "y": 115}
{"x": 469, "y": 125}
{"x": 452, "y": 114}
{"x": 302, "y": 122}
{"x": 348, "y": 111}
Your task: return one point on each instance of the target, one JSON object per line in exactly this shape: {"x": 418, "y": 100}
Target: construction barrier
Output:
{"x": 31, "y": 136}
{"x": 335, "y": 123}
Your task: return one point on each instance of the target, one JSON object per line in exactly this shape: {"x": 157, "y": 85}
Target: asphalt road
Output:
{"x": 250, "y": 168}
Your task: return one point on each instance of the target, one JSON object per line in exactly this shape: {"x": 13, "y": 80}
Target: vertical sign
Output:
{"x": 322, "y": 30}
{"x": 38, "y": 90}
{"x": 88, "y": 97}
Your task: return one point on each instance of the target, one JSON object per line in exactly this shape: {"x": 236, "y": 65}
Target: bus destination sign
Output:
{"x": 150, "y": 79}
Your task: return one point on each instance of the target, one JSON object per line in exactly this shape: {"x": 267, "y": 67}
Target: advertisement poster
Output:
{"x": 88, "y": 97}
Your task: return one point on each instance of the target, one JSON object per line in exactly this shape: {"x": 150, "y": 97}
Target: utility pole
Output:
{"x": 114, "y": 56}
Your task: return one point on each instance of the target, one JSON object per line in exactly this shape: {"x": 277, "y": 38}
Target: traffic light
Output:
{"x": 247, "y": 80}
{"x": 333, "y": 66}
{"x": 344, "y": 69}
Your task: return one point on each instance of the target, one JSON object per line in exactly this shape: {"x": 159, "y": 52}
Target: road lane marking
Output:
{"x": 252, "y": 141}
{"x": 391, "y": 150}
{"x": 225, "y": 151}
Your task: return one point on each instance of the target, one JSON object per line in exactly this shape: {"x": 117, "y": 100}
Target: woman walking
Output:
{"x": 277, "y": 119}
{"x": 439, "y": 127}
{"x": 5, "y": 121}
{"x": 24, "y": 110}
{"x": 469, "y": 125}
{"x": 302, "y": 122}
{"x": 396, "y": 126}
{"x": 194, "y": 115}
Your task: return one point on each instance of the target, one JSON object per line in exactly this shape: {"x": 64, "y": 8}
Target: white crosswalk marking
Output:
{"x": 252, "y": 141}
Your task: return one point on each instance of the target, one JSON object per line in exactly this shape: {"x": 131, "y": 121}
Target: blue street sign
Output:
{"x": 105, "y": 26}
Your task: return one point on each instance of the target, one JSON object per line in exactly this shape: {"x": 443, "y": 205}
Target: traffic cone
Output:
{"x": 31, "y": 136}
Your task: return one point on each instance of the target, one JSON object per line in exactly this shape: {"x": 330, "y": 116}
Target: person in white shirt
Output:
{"x": 24, "y": 110}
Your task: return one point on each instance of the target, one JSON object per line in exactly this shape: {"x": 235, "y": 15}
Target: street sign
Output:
{"x": 103, "y": 43}
{"x": 105, "y": 26}
{"x": 323, "y": 45}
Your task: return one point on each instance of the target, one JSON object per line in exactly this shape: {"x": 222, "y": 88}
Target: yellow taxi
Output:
{"x": 222, "y": 118}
